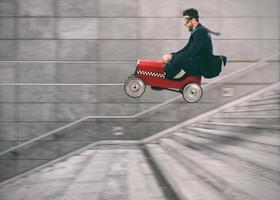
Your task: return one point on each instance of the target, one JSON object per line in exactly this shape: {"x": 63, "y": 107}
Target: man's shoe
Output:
{"x": 224, "y": 59}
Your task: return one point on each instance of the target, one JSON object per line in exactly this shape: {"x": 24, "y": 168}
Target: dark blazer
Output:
{"x": 198, "y": 54}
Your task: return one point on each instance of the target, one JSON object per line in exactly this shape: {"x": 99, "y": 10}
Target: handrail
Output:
{"x": 12, "y": 149}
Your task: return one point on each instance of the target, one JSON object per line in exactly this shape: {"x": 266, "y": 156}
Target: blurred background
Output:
{"x": 46, "y": 45}
{"x": 66, "y": 60}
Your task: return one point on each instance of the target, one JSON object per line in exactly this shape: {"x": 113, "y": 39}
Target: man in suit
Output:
{"x": 196, "y": 58}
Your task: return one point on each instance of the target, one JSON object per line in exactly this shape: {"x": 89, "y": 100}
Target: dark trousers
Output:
{"x": 178, "y": 63}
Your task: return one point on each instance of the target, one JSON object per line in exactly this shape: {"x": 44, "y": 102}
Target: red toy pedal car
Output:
{"x": 151, "y": 72}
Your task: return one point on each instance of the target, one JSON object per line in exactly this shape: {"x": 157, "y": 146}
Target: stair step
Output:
{"x": 111, "y": 173}
{"x": 53, "y": 179}
{"x": 251, "y": 111}
{"x": 266, "y": 117}
{"x": 256, "y": 107}
{"x": 90, "y": 179}
{"x": 246, "y": 119}
{"x": 236, "y": 109}
{"x": 267, "y": 160}
{"x": 272, "y": 92}
{"x": 266, "y": 98}
{"x": 66, "y": 169}
{"x": 184, "y": 182}
{"x": 241, "y": 127}
{"x": 260, "y": 104}
{"x": 232, "y": 182}
{"x": 266, "y": 139}
{"x": 141, "y": 182}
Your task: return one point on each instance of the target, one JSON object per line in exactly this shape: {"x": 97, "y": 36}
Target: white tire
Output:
{"x": 192, "y": 92}
{"x": 134, "y": 87}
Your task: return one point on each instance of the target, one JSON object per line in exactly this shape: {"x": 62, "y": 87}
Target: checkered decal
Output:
{"x": 159, "y": 75}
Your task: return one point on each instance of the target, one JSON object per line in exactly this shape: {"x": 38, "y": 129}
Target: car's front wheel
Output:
{"x": 134, "y": 87}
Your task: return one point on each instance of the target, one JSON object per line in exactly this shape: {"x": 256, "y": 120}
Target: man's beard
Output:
{"x": 190, "y": 28}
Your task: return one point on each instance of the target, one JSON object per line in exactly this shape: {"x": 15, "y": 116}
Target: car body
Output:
{"x": 151, "y": 73}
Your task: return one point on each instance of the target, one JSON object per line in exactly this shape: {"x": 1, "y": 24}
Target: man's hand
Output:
{"x": 167, "y": 57}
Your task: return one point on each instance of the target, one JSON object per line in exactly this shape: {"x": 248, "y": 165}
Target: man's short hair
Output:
{"x": 191, "y": 13}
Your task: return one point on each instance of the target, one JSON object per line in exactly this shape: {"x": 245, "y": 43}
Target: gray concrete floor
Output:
{"x": 103, "y": 173}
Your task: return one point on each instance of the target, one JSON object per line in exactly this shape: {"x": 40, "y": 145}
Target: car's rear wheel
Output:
{"x": 192, "y": 92}
{"x": 134, "y": 87}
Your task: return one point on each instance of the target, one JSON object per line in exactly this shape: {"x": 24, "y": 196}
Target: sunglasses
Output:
{"x": 187, "y": 19}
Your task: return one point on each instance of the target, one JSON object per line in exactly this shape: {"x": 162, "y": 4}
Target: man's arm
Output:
{"x": 191, "y": 50}
{"x": 167, "y": 57}
{"x": 183, "y": 49}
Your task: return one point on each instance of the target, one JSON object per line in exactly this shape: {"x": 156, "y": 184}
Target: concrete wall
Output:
{"x": 44, "y": 34}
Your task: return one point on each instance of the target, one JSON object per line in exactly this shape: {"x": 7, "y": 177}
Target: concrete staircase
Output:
{"x": 232, "y": 154}
{"x": 100, "y": 172}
